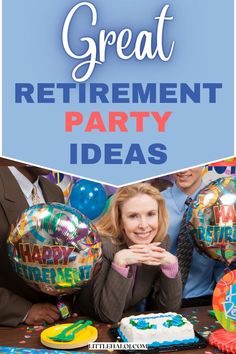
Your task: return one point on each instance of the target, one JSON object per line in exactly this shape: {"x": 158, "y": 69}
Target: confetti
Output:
{"x": 39, "y": 328}
{"x": 205, "y": 334}
{"x": 211, "y": 313}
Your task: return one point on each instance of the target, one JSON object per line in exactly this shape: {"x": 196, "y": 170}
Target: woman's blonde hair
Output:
{"x": 110, "y": 224}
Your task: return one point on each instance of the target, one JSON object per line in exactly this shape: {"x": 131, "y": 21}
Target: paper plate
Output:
{"x": 82, "y": 338}
{"x": 200, "y": 343}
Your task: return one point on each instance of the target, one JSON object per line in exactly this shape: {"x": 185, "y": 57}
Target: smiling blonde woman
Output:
{"x": 136, "y": 263}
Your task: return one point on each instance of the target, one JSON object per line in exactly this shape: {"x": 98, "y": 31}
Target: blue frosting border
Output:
{"x": 162, "y": 344}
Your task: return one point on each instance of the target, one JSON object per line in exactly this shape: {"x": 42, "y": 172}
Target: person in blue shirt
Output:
{"x": 204, "y": 272}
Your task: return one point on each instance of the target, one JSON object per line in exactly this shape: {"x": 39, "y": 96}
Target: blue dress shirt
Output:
{"x": 204, "y": 272}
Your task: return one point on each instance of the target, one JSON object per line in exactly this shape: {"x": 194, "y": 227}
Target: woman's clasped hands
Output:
{"x": 149, "y": 254}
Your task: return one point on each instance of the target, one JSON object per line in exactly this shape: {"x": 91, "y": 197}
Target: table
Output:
{"x": 29, "y": 337}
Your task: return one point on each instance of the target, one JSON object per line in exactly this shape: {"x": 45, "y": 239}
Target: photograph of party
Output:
{"x": 88, "y": 267}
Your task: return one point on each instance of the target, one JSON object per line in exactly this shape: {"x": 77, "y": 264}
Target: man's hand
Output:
{"x": 40, "y": 313}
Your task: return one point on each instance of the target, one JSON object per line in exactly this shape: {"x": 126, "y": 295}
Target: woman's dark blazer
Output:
{"x": 110, "y": 294}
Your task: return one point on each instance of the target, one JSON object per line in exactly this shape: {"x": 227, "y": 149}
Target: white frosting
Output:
{"x": 158, "y": 333}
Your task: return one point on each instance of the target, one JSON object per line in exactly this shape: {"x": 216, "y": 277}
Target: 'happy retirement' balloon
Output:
{"x": 54, "y": 248}
{"x": 212, "y": 221}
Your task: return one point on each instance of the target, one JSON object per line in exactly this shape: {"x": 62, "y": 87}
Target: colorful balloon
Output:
{"x": 224, "y": 301}
{"x": 89, "y": 198}
{"x": 54, "y": 248}
{"x": 212, "y": 221}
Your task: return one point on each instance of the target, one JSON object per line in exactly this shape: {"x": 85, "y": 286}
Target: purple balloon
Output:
{"x": 110, "y": 190}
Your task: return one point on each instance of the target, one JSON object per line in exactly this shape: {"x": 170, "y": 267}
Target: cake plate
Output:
{"x": 202, "y": 343}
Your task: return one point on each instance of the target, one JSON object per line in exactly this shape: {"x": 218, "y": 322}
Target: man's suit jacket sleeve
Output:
{"x": 14, "y": 308}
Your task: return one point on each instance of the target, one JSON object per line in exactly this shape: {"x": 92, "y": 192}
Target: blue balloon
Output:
{"x": 89, "y": 198}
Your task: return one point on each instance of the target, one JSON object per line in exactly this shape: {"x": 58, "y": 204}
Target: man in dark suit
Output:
{"x": 18, "y": 302}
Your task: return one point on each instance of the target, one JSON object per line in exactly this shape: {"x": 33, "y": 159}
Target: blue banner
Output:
{"x": 118, "y": 91}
